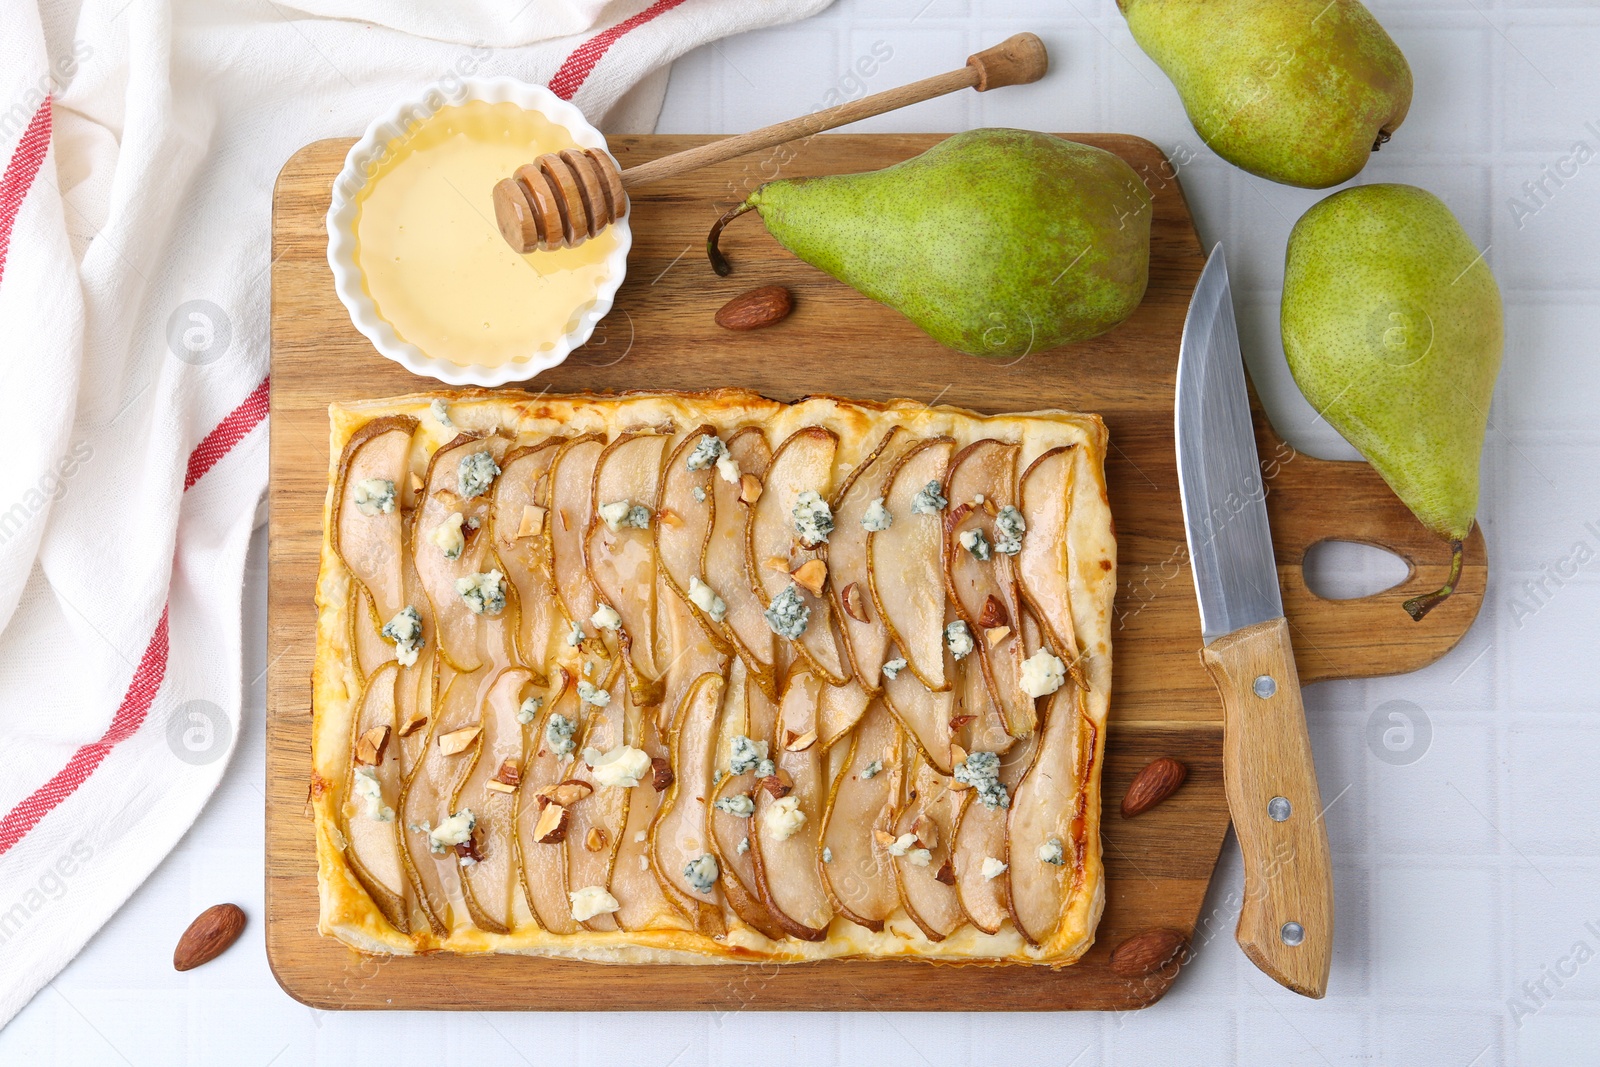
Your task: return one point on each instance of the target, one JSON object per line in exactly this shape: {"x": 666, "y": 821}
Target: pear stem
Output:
{"x": 719, "y": 262}
{"x": 1419, "y": 606}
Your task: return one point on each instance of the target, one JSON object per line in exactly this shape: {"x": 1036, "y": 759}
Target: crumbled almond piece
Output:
{"x": 416, "y": 482}
{"x": 959, "y": 721}
{"x": 595, "y": 839}
{"x": 853, "y": 605}
{"x": 552, "y": 825}
{"x": 957, "y": 754}
{"x": 776, "y": 563}
{"x": 993, "y": 613}
{"x": 947, "y": 874}
{"x": 566, "y": 793}
{"x": 371, "y": 745}
{"x": 810, "y": 576}
{"x": 507, "y": 778}
{"x": 458, "y": 740}
{"x": 883, "y": 838}
{"x": 779, "y": 785}
{"x": 663, "y": 778}
{"x": 927, "y": 831}
{"x": 749, "y": 488}
{"x": 994, "y": 635}
{"x": 532, "y": 520}
{"x": 413, "y": 724}
{"x": 801, "y": 742}
{"x": 668, "y": 517}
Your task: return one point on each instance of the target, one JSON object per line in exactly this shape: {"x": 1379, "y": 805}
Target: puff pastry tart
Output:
{"x": 701, "y": 678}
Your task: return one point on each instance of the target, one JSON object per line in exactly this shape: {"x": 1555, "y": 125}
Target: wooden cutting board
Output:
{"x": 660, "y": 336}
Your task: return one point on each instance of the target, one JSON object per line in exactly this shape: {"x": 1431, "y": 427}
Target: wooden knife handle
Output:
{"x": 1286, "y": 923}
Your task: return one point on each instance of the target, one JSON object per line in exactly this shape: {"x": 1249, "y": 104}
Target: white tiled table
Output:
{"x": 1466, "y": 877}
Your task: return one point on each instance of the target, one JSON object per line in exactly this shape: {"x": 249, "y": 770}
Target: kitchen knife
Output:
{"x": 1286, "y": 921}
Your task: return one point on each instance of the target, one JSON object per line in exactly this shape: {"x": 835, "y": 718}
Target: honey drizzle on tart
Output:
{"x": 677, "y": 695}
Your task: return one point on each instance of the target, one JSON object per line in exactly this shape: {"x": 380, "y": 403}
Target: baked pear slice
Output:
{"x": 925, "y": 716}
{"x": 681, "y": 834}
{"x": 923, "y": 869}
{"x": 595, "y": 828}
{"x": 684, "y": 513}
{"x": 786, "y": 843}
{"x": 458, "y": 629}
{"x": 543, "y": 863}
{"x": 905, "y": 564}
{"x": 859, "y": 872}
{"x": 694, "y": 654}
{"x": 981, "y": 836}
{"x": 644, "y": 904}
{"x": 489, "y": 870}
{"x": 731, "y": 831}
{"x": 981, "y": 580}
{"x": 866, "y": 639}
{"x": 726, "y": 565}
{"x": 571, "y": 490}
{"x": 1049, "y": 819}
{"x": 372, "y": 796}
{"x": 369, "y": 649}
{"x": 842, "y": 707}
{"x": 365, "y": 537}
{"x": 1043, "y": 566}
{"x": 777, "y": 550}
{"x": 520, "y": 524}
{"x": 620, "y": 553}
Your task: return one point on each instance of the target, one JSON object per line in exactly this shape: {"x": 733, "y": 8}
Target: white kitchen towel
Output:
{"x": 140, "y": 140}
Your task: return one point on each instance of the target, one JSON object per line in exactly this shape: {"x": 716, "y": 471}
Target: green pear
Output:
{"x": 1298, "y": 91}
{"x": 1393, "y": 329}
{"x": 996, "y": 242}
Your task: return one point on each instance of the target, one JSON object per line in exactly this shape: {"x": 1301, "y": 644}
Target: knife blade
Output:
{"x": 1286, "y": 920}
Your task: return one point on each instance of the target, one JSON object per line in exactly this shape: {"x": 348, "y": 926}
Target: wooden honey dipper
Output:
{"x": 564, "y": 198}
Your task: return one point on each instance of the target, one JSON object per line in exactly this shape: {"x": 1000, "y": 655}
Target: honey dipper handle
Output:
{"x": 1014, "y": 61}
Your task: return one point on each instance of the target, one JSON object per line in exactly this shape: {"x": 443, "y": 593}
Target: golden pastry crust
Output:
{"x": 348, "y": 616}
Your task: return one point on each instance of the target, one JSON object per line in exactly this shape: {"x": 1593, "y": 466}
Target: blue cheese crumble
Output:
{"x": 976, "y": 542}
{"x": 981, "y": 771}
{"x": 375, "y": 496}
{"x": 441, "y": 414}
{"x": 606, "y": 618}
{"x": 738, "y": 805}
{"x": 405, "y": 630}
{"x": 746, "y": 754}
{"x": 485, "y": 594}
{"x": 448, "y": 536}
{"x": 624, "y": 514}
{"x": 873, "y": 769}
{"x": 706, "y": 451}
{"x": 827, "y": 855}
{"x": 958, "y": 639}
{"x": 766, "y": 769}
{"x": 456, "y": 830}
{"x": 529, "y": 710}
{"x": 706, "y": 599}
{"x": 876, "y": 518}
{"x": 1008, "y": 530}
{"x": 558, "y": 731}
{"x": 699, "y": 493}
{"x": 893, "y": 668}
{"x": 1052, "y": 852}
{"x": 744, "y": 846}
{"x": 1042, "y": 674}
{"x": 575, "y": 636}
{"x": 369, "y": 791}
{"x": 813, "y": 519}
{"x": 788, "y": 615}
{"x": 928, "y": 500}
{"x": 476, "y": 473}
{"x": 701, "y": 874}
{"x": 590, "y": 693}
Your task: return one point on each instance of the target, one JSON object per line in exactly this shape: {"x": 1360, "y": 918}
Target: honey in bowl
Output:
{"x": 432, "y": 259}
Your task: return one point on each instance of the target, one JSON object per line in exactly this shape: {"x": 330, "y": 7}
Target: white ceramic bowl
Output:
{"x": 363, "y": 159}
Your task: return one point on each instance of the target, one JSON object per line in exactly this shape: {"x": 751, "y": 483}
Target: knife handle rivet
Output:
{"x": 1292, "y": 933}
{"x": 1278, "y": 809}
{"x": 1265, "y": 686}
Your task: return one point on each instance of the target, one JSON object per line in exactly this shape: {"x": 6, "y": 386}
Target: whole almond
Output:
{"x": 661, "y": 774}
{"x": 1147, "y": 953}
{"x": 756, "y": 308}
{"x": 212, "y": 931}
{"x": 1158, "y": 781}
